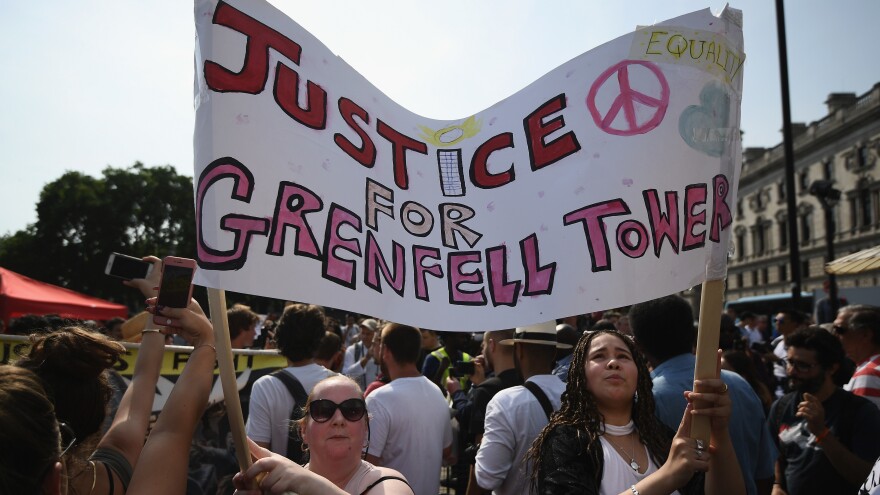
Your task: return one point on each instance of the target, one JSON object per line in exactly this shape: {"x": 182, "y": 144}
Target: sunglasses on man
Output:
{"x": 800, "y": 366}
{"x": 322, "y": 410}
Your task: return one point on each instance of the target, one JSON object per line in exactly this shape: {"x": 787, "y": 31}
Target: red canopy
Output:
{"x": 20, "y": 295}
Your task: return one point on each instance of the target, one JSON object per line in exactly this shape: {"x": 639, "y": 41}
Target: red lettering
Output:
{"x": 694, "y": 196}
{"x": 243, "y": 227}
{"x": 375, "y": 262}
{"x": 420, "y": 253}
{"x": 539, "y": 279}
{"x": 542, "y": 154}
{"x": 400, "y": 144}
{"x": 625, "y": 231}
{"x": 501, "y": 291}
{"x": 457, "y": 276}
{"x": 594, "y": 228}
{"x": 662, "y": 226}
{"x": 291, "y": 206}
{"x": 479, "y": 172}
{"x": 334, "y": 268}
{"x": 287, "y": 97}
{"x": 721, "y": 217}
{"x": 366, "y": 154}
{"x": 253, "y": 76}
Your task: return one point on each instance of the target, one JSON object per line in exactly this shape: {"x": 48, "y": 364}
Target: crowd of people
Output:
{"x": 599, "y": 403}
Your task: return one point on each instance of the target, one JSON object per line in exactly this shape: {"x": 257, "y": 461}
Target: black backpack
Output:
{"x": 295, "y": 450}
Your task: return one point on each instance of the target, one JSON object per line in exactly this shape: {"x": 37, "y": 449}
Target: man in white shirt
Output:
{"x": 350, "y": 330}
{"x": 298, "y": 333}
{"x": 410, "y": 428}
{"x": 515, "y": 416}
{"x": 750, "y": 329}
{"x": 359, "y": 364}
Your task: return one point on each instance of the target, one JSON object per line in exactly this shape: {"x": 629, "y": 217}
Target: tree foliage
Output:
{"x": 82, "y": 219}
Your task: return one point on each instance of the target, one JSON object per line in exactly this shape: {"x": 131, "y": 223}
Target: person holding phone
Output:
{"x": 164, "y": 461}
{"x": 71, "y": 363}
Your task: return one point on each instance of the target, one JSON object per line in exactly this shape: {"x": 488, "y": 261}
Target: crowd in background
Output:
{"x": 596, "y": 403}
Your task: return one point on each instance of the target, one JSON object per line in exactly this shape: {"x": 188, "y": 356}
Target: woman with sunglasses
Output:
{"x": 605, "y": 439}
{"x": 335, "y": 429}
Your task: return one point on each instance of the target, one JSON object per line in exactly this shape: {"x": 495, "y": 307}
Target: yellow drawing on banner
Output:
{"x": 453, "y": 134}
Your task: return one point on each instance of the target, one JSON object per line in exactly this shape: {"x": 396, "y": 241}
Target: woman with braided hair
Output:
{"x": 606, "y": 440}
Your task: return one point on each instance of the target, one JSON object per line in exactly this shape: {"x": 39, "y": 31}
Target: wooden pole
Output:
{"x": 217, "y": 303}
{"x": 708, "y": 333}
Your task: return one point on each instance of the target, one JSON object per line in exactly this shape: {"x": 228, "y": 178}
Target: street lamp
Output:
{"x": 828, "y": 196}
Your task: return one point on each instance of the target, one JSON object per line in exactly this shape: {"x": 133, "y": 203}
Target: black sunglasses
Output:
{"x": 800, "y": 365}
{"x": 322, "y": 410}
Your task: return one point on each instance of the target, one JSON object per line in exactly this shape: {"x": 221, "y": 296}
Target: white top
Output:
{"x": 514, "y": 418}
{"x": 410, "y": 426}
{"x": 271, "y": 404}
{"x": 349, "y": 333}
{"x": 351, "y": 365}
{"x": 755, "y": 336}
{"x": 781, "y": 352}
{"x": 618, "y": 475}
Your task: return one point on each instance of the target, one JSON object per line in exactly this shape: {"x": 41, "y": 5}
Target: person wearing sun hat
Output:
{"x": 516, "y": 415}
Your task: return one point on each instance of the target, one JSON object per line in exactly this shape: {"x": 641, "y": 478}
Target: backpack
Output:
{"x": 295, "y": 450}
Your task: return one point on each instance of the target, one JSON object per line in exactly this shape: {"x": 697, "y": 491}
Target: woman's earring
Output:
{"x": 304, "y": 447}
{"x": 636, "y": 397}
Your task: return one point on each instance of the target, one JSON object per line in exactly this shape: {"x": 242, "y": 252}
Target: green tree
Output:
{"x": 82, "y": 219}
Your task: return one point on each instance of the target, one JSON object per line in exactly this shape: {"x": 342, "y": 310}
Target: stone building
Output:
{"x": 842, "y": 147}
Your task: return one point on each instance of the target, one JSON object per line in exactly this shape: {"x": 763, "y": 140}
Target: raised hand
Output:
{"x": 813, "y": 412}
{"x": 149, "y": 286}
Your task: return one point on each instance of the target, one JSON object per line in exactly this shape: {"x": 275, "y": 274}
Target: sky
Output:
{"x": 97, "y": 83}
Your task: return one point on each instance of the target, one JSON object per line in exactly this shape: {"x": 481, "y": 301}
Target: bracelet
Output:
{"x": 203, "y": 345}
{"x": 633, "y": 488}
{"x": 150, "y": 330}
{"x": 822, "y": 435}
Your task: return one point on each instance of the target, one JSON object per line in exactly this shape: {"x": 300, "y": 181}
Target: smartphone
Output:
{"x": 175, "y": 289}
{"x": 127, "y": 267}
{"x": 463, "y": 368}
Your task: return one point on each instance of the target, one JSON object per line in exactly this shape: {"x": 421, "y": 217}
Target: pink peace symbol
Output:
{"x": 626, "y": 98}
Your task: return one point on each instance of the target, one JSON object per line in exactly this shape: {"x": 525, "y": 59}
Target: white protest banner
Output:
{"x": 608, "y": 181}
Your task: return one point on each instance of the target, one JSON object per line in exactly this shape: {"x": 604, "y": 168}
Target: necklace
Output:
{"x": 629, "y": 429}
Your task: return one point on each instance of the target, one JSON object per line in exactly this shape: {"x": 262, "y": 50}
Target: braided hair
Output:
{"x": 580, "y": 410}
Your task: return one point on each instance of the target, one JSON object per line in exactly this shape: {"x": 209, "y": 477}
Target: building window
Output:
{"x": 804, "y": 181}
{"x": 853, "y": 214}
{"x": 783, "y": 233}
{"x": 754, "y": 277}
{"x": 739, "y": 280}
{"x": 863, "y": 156}
{"x": 765, "y": 275}
{"x": 805, "y": 269}
{"x": 806, "y": 227}
{"x": 828, "y": 169}
{"x": 740, "y": 246}
{"x": 780, "y": 191}
{"x": 739, "y": 208}
{"x": 758, "y": 233}
{"x": 867, "y": 208}
{"x": 783, "y": 272}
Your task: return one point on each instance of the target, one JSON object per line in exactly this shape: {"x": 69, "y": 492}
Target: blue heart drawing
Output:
{"x": 705, "y": 127}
